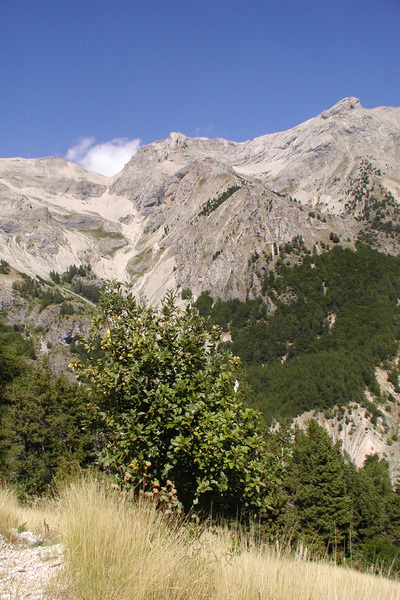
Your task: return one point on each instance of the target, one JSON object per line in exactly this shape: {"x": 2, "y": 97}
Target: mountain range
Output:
{"x": 194, "y": 213}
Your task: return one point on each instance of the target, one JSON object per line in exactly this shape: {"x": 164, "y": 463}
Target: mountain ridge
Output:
{"x": 146, "y": 224}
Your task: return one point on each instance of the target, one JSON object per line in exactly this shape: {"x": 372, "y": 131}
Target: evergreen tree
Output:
{"x": 368, "y": 510}
{"x": 42, "y": 435}
{"x": 318, "y": 492}
{"x": 378, "y": 471}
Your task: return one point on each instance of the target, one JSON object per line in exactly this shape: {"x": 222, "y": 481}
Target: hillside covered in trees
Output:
{"x": 334, "y": 318}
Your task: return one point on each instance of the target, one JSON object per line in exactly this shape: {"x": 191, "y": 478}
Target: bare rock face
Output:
{"x": 319, "y": 177}
{"x": 193, "y": 212}
{"x": 47, "y": 215}
{"x": 361, "y": 436}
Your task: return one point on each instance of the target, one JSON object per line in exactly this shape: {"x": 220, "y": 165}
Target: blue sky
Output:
{"x": 108, "y": 76}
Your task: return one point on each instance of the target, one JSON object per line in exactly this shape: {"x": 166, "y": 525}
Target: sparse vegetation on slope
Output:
{"x": 214, "y": 203}
{"x": 373, "y": 205}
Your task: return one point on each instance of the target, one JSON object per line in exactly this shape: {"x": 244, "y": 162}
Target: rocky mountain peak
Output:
{"x": 342, "y": 107}
{"x": 177, "y": 139}
{"x": 199, "y": 214}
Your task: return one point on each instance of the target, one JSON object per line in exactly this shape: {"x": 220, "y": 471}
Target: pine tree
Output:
{"x": 42, "y": 434}
{"x": 318, "y": 493}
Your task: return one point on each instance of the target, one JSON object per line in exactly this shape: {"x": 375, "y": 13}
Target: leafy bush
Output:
{"x": 163, "y": 398}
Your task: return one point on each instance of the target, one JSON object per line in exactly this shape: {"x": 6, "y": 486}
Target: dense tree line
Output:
{"x": 43, "y": 437}
{"x": 333, "y": 507}
{"x": 49, "y": 293}
{"x": 74, "y": 276}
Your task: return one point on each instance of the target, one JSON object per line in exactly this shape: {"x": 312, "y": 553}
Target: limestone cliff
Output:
{"x": 192, "y": 212}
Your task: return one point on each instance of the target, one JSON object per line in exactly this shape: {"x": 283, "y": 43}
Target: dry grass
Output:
{"x": 117, "y": 550}
{"x": 265, "y": 574}
{"x": 41, "y": 516}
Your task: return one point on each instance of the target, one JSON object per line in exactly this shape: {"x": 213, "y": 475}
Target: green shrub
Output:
{"x": 186, "y": 294}
{"x": 4, "y": 267}
{"x": 66, "y": 308}
{"x": 163, "y": 398}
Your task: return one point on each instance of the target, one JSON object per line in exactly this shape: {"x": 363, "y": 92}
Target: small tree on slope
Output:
{"x": 163, "y": 399}
{"x": 318, "y": 490}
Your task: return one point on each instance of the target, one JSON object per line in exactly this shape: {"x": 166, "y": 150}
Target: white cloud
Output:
{"x": 107, "y": 158}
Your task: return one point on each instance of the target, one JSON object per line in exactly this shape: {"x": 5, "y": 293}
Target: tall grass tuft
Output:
{"x": 9, "y": 510}
{"x": 116, "y": 549}
{"x": 265, "y": 574}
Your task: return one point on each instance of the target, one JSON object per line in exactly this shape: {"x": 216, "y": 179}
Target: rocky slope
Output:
{"x": 26, "y": 572}
{"x": 193, "y": 212}
{"x": 361, "y": 434}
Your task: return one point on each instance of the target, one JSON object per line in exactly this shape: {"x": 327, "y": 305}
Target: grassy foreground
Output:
{"x": 118, "y": 550}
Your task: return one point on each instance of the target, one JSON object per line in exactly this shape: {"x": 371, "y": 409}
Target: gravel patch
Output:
{"x": 25, "y": 572}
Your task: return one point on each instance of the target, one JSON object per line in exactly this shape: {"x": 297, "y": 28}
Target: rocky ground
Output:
{"x": 26, "y": 572}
